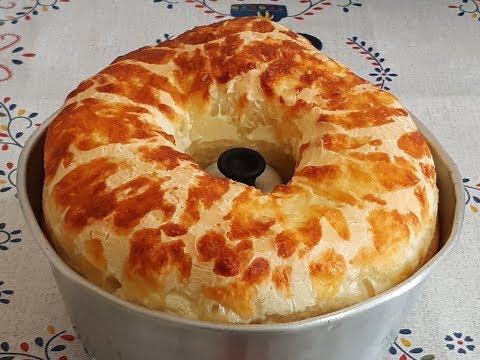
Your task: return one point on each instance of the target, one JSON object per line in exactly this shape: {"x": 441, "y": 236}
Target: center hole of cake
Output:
{"x": 246, "y": 159}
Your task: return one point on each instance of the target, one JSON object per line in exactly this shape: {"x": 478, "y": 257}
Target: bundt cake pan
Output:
{"x": 113, "y": 329}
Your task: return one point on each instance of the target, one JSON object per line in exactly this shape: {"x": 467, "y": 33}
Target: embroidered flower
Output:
{"x": 165, "y": 38}
{"x": 42, "y": 348}
{"x": 168, "y": 2}
{"x": 4, "y": 293}
{"x": 472, "y": 195}
{"x": 459, "y": 342}
{"x": 383, "y": 74}
{"x": 404, "y": 349}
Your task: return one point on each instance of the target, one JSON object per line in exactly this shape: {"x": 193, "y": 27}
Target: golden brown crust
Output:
{"x": 149, "y": 257}
{"x": 414, "y": 145}
{"x": 228, "y": 260}
{"x": 281, "y": 278}
{"x": 128, "y": 205}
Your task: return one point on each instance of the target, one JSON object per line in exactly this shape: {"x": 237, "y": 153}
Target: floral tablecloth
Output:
{"x": 425, "y": 52}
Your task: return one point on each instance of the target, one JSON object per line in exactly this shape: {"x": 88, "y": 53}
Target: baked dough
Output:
{"x": 128, "y": 205}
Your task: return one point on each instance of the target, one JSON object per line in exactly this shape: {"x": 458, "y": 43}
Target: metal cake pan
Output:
{"x": 113, "y": 329}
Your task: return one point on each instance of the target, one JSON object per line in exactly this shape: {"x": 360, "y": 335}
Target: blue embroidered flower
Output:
{"x": 46, "y": 348}
{"x": 169, "y": 3}
{"x": 26, "y": 12}
{"x": 7, "y": 237}
{"x": 469, "y": 7}
{"x": 383, "y": 74}
{"x": 4, "y": 294}
{"x": 404, "y": 348}
{"x": 472, "y": 194}
{"x": 460, "y": 343}
{"x": 165, "y": 38}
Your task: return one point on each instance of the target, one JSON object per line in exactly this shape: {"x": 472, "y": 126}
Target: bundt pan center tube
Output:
{"x": 155, "y": 256}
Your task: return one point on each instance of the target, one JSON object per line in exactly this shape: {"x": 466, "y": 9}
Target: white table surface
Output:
{"x": 431, "y": 57}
